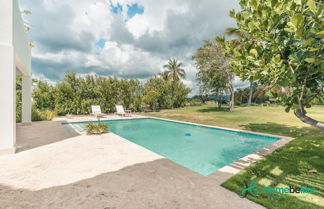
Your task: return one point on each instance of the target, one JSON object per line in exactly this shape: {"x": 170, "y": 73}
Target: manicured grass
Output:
{"x": 287, "y": 166}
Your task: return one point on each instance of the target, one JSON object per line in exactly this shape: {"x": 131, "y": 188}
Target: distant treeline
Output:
{"x": 75, "y": 95}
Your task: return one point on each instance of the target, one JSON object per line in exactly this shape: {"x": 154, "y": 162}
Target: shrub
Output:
{"x": 18, "y": 99}
{"x": 39, "y": 115}
{"x": 18, "y": 106}
{"x": 97, "y": 128}
{"x": 238, "y": 103}
{"x": 196, "y": 102}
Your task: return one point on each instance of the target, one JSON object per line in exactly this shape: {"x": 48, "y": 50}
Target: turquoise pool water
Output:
{"x": 201, "y": 149}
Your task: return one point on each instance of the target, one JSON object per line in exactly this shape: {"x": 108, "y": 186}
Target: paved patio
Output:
{"x": 58, "y": 168}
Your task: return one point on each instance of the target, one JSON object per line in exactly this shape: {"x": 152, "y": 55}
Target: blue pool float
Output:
{"x": 188, "y": 134}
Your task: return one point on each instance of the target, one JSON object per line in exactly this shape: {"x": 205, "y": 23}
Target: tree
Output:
{"x": 76, "y": 94}
{"x": 151, "y": 98}
{"x": 43, "y": 96}
{"x": 174, "y": 70}
{"x": 179, "y": 94}
{"x": 213, "y": 74}
{"x": 261, "y": 94}
{"x": 131, "y": 92}
{"x": 158, "y": 84}
{"x": 172, "y": 94}
{"x": 282, "y": 45}
{"x": 236, "y": 32}
{"x": 109, "y": 91}
{"x": 250, "y": 93}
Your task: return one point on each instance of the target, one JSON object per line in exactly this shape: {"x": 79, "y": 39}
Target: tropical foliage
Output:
{"x": 213, "y": 74}
{"x": 39, "y": 115}
{"x": 261, "y": 94}
{"x": 281, "y": 44}
{"x": 174, "y": 70}
{"x": 165, "y": 94}
{"x": 18, "y": 99}
{"x": 97, "y": 128}
{"x": 76, "y": 94}
{"x": 36, "y": 114}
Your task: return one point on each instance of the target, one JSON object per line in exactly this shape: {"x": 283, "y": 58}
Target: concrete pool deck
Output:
{"x": 58, "y": 168}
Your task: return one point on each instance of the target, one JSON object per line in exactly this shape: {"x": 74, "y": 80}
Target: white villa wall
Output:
{"x": 15, "y": 57}
{"x": 6, "y": 35}
{"x": 7, "y": 100}
{"x": 20, "y": 42}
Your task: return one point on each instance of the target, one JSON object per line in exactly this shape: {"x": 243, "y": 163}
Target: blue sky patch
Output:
{"x": 116, "y": 8}
{"x": 100, "y": 43}
{"x": 134, "y": 9}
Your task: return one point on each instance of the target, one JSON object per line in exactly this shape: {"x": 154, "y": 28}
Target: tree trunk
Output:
{"x": 250, "y": 94}
{"x": 304, "y": 118}
{"x": 219, "y": 100}
{"x": 231, "y": 103}
{"x": 216, "y": 98}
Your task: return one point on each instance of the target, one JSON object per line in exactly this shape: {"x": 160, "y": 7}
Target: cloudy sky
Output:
{"x": 126, "y": 39}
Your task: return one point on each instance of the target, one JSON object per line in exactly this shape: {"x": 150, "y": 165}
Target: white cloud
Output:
{"x": 65, "y": 33}
{"x": 155, "y": 16}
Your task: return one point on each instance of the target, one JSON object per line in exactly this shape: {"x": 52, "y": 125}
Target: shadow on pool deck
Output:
{"x": 159, "y": 184}
{"x": 41, "y": 133}
{"x": 154, "y": 184}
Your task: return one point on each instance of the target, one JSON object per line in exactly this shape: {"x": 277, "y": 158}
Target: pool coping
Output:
{"x": 235, "y": 167}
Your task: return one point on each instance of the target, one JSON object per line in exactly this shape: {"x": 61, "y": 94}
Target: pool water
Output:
{"x": 201, "y": 149}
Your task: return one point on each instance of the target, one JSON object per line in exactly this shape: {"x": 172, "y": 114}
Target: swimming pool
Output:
{"x": 199, "y": 148}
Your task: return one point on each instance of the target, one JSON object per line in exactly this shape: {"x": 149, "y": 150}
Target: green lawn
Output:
{"x": 287, "y": 166}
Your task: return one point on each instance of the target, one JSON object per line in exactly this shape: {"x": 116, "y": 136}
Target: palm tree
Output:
{"x": 174, "y": 70}
{"x": 165, "y": 76}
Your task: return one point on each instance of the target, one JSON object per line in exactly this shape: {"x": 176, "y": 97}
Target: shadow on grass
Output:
{"x": 289, "y": 165}
{"x": 280, "y": 129}
{"x": 214, "y": 109}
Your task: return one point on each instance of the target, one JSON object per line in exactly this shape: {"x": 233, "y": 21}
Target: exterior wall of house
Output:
{"x": 15, "y": 56}
{"x": 20, "y": 42}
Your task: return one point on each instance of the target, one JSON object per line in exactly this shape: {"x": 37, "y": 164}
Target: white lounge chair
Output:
{"x": 120, "y": 111}
{"x": 96, "y": 111}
